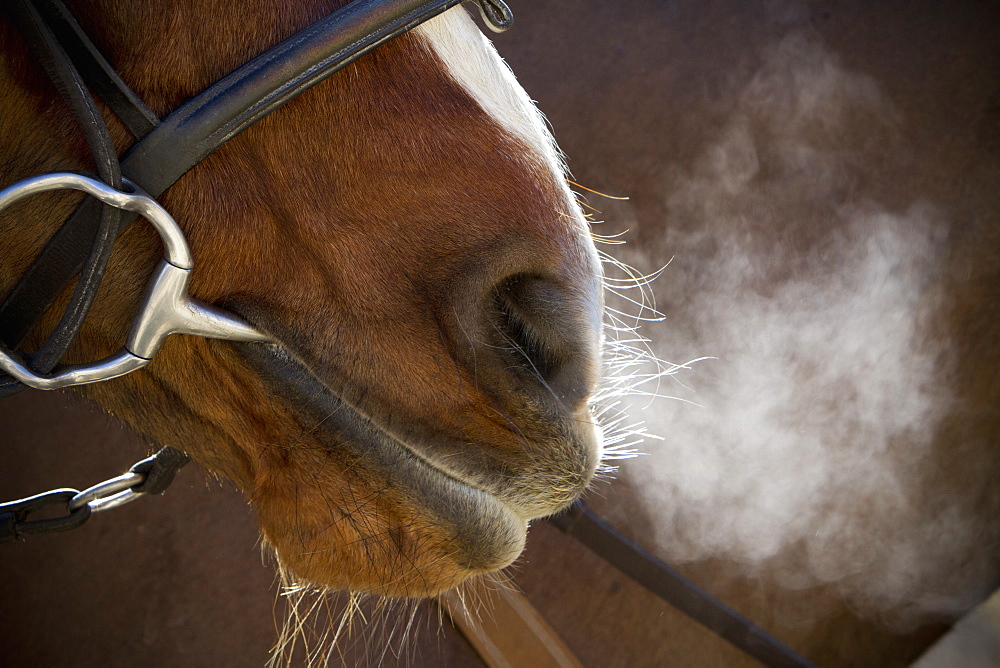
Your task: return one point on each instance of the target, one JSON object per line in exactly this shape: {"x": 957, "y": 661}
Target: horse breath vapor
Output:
{"x": 807, "y": 451}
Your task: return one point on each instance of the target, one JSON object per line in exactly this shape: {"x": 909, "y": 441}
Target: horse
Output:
{"x": 742, "y": 107}
{"x": 403, "y": 237}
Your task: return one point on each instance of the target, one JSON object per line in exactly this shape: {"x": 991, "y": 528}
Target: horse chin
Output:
{"x": 377, "y": 513}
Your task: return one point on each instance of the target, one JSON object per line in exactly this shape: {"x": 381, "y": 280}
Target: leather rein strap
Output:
{"x": 165, "y": 151}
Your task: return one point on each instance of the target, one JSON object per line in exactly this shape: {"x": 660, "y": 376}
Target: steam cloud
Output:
{"x": 814, "y": 425}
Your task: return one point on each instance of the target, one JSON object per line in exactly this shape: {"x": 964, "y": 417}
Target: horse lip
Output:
{"x": 282, "y": 356}
{"x": 489, "y": 528}
{"x": 315, "y": 399}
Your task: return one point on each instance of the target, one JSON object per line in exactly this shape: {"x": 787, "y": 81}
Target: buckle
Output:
{"x": 496, "y": 14}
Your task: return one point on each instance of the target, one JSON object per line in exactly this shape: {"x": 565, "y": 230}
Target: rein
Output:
{"x": 150, "y": 476}
{"x": 165, "y": 149}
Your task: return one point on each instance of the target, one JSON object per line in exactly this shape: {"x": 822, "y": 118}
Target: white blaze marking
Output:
{"x": 474, "y": 63}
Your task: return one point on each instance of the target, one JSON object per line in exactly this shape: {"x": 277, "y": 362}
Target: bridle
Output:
{"x": 165, "y": 149}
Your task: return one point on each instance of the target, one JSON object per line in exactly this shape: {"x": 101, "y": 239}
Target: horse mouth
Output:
{"x": 445, "y": 521}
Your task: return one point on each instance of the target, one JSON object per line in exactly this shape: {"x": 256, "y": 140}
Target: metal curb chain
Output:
{"x": 149, "y": 476}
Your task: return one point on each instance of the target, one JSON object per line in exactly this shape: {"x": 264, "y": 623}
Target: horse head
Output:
{"x": 404, "y": 234}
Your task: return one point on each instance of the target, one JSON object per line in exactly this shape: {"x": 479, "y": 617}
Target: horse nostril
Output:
{"x": 548, "y": 335}
{"x": 524, "y": 340}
